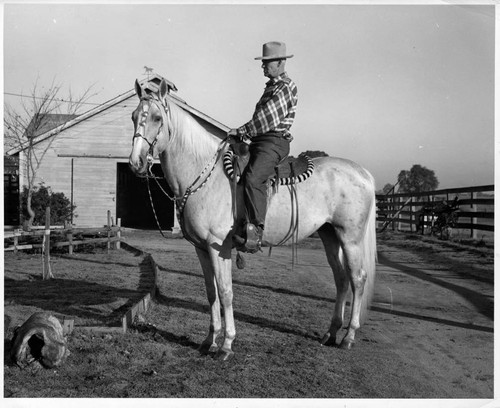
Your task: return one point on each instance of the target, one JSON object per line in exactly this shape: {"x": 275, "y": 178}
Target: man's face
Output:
{"x": 272, "y": 68}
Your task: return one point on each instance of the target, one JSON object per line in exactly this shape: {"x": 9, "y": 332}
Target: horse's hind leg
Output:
{"x": 357, "y": 277}
{"x": 209, "y": 344}
{"x": 332, "y": 249}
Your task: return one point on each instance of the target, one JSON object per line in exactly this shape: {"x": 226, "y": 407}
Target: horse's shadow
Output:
{"x": 77, "y": 298}
{"x": 481, "y": 303}
{"x": 242, "y": 317}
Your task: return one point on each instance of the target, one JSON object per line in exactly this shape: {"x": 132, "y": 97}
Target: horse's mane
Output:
{"x": 189, "y": 136}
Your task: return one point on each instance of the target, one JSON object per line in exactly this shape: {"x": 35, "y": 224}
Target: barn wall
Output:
{"x": 107, "y": 133}
{"x": 86, "y": 156}
{"x": 95, "y": 146}
{"x": 94, "y": 190}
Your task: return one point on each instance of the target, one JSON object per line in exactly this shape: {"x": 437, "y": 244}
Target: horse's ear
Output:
{"x": 166, "y": 87}
{"x": 138, "y": 89}
{"x": 163, "y": 89}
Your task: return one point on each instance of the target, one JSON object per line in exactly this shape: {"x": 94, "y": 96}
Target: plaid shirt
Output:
{"x": 275, "y": 110}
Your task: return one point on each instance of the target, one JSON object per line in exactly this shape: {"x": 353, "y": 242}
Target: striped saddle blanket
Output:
{"x": 290, "y": 171}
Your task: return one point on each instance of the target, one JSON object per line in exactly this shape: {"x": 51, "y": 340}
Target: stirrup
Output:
{"x": 252, "y": 241}
{"x": 254, "y": 238}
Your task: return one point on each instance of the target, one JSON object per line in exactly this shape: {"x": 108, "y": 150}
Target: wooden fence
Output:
{"x": 476, "y": 209}
{"x": 111, "y": 235}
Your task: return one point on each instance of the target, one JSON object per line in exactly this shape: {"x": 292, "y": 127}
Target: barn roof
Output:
{"x": 151, "y": 84}
{"x": 48, "y": 121}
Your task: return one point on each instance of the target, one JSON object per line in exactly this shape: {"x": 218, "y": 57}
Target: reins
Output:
{"x": 293, "y": 231}
{"x": 200, "y": 181}
{"x": 195, "y": 186}
{"x": 192, "y": 189}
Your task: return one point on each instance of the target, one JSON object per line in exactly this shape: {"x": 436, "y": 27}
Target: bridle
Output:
{"x": 141, "y": 127}
{"x": 196, "y": 185}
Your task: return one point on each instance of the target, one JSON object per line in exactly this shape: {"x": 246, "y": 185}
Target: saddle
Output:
{"x": 289, "y": 171}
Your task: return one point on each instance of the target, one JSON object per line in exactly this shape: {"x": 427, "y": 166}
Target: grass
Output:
{"x": 281, "y": 314}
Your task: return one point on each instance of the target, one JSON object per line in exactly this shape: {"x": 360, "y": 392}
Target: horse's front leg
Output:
{"x": 209, "y": 344}
{"x": 219, "y": 267}
{"x": 220, "y": 255}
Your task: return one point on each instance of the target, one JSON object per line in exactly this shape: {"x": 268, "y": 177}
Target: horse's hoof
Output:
{"x": 207, "y": 348}
{"x": 328, "y": 340}
{"x": 347, "y": 344}
{"x": 224, "y": 355}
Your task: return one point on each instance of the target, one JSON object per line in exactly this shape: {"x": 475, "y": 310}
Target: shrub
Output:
{"x": 43, "y": 197}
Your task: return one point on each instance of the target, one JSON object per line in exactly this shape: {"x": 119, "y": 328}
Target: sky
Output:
{"x": 385, "y": 85}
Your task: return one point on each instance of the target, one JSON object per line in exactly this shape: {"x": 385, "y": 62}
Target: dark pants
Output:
{"x": 266, "y": 151}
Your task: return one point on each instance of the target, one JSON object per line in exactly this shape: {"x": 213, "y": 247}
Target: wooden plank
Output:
{"x": 476, "y": 214}
{"x": 460, "y": 214}
{"x": 12, "y": 248}
{"x": 395, "y": 216}
{"x": 64, "y": 243}
{"x": 89, "y": 230}
{"x": 118, "y": 233}
{"x": 100, "y": 329}
{"x": 480, "y": 227}
{"x": 477, "y": 189}
{"x": 70, "y": 243}
{"x": 477, "y": 201}
{"x": 47, "y": 270}
{"x": 458, "y": 225}
{"x": 108, "y": 246}
{"x": 84, "y": 241}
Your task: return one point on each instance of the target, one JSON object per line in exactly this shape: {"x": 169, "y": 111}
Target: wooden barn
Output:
{"x": 87, "y": 160}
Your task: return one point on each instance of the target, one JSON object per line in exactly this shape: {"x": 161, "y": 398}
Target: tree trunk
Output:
{"x": 31, "y": 213}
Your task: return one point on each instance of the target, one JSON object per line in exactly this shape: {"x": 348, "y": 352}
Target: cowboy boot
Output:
{"x": 239, "y": 237}
{"x": 254, "y": 238}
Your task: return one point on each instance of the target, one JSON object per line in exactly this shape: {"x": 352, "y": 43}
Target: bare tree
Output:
{"x": 22, "y": 126}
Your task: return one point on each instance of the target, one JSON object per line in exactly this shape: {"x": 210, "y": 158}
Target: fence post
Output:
{"x": 109, "y": 230}
{"x": 411, "y": 213}
{"x": 473, "y": 220}
{"x": 46, "y": 271}
{"x": 399, "y": 214}
{"x": 393, "y": 208}
{"x": 16, "y": 243}
{"x": 119, "y": 232}
{"x": 69, "y": 235}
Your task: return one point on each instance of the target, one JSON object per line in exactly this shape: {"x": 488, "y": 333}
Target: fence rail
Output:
{"x": 475, "y": 208}
{"x": 111, "y": 235}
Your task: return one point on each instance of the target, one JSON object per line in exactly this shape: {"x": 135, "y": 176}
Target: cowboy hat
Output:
{"x": 273, "y": 50}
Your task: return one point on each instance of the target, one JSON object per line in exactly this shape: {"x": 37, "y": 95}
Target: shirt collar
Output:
{"x": 273, "y": 81}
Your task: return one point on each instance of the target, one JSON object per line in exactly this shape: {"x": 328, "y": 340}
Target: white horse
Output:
{"x": 337, "y": 201}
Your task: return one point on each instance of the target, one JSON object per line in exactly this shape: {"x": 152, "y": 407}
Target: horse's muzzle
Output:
{"x": 137, "y": 165}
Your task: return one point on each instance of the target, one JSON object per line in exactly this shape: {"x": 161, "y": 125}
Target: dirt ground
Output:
{"x": 429, "y": 333}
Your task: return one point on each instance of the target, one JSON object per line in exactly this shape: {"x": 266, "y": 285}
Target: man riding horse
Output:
{"x": 268, "y": 136}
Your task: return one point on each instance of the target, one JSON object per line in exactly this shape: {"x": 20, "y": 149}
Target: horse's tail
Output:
{"x": 369, "y": 260}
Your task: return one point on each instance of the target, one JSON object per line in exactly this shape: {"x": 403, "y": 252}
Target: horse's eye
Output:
{"x": 157, "y": 118}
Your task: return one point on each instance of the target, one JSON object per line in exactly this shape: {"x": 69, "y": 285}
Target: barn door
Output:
{"x": 11, "y": 199}
{"x": 133, "y": 204}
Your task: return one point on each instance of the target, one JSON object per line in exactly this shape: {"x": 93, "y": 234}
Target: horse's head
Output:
{"x": 149, "y": 123}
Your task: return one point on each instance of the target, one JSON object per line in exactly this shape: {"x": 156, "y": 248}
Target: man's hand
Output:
{"x": 233, "y": 136}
